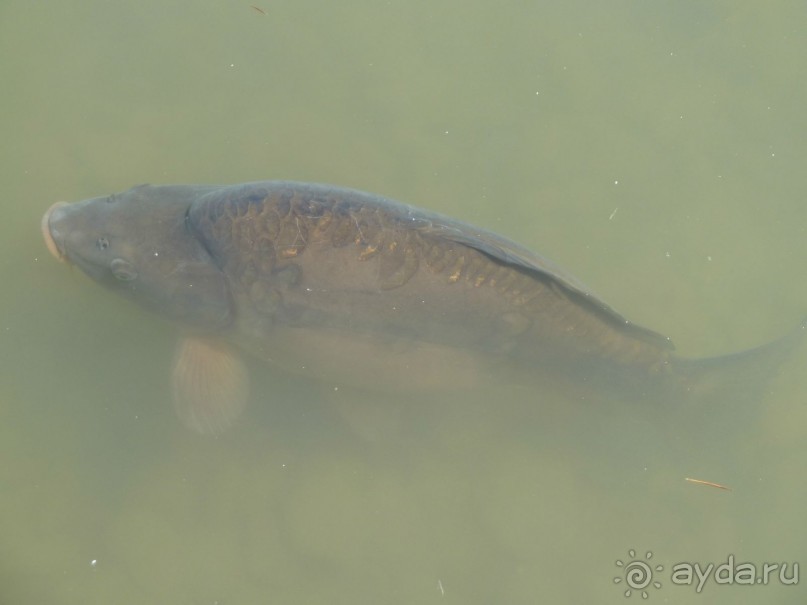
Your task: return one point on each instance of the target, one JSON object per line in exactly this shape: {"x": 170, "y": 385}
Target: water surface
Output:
{"x": 653, "y": 149}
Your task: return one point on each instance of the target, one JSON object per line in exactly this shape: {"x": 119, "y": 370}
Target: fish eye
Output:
{"x": 123, "y": 270}
{"x": 102, "y": 243}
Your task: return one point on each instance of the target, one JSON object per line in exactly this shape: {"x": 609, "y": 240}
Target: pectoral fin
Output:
{"x": 210, "y": 385}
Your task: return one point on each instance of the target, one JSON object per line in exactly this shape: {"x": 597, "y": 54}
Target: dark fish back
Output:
{"x": 525, "y": 306}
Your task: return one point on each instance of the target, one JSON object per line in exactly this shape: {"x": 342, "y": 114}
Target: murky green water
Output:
{"x": 654, "y": 149}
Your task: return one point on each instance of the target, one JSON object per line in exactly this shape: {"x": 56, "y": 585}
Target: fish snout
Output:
{"x": 54, "y": 240}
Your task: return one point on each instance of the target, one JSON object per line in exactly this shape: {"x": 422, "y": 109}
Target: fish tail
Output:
{"x": 738, "y": 377}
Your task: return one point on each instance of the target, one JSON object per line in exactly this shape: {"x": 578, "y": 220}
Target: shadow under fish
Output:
{"x": 356, "y": 289}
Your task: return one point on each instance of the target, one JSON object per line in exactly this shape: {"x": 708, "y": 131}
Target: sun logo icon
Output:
{"x": 638, "y": 574}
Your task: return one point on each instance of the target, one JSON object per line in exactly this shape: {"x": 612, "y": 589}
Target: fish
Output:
{"x": 354, "y": 288}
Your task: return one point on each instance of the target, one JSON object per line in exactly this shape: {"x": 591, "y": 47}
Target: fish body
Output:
{"x": 350, "y": 287}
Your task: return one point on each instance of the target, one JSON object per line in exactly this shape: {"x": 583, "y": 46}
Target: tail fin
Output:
{"x": 743, "y": 376}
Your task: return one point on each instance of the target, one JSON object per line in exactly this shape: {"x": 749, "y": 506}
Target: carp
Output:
{"x": 354, "y": 288}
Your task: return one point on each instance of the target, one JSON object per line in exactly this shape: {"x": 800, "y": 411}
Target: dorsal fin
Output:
{"x": 506, "y": 252}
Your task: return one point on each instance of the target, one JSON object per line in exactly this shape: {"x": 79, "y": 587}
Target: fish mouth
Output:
{"x": 51, "y": 237}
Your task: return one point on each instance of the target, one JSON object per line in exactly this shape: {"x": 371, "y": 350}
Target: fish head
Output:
{"x": 138, "y": 243}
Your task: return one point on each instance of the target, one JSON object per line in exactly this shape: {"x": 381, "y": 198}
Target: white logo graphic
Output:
{"x": 638, "y": 574}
